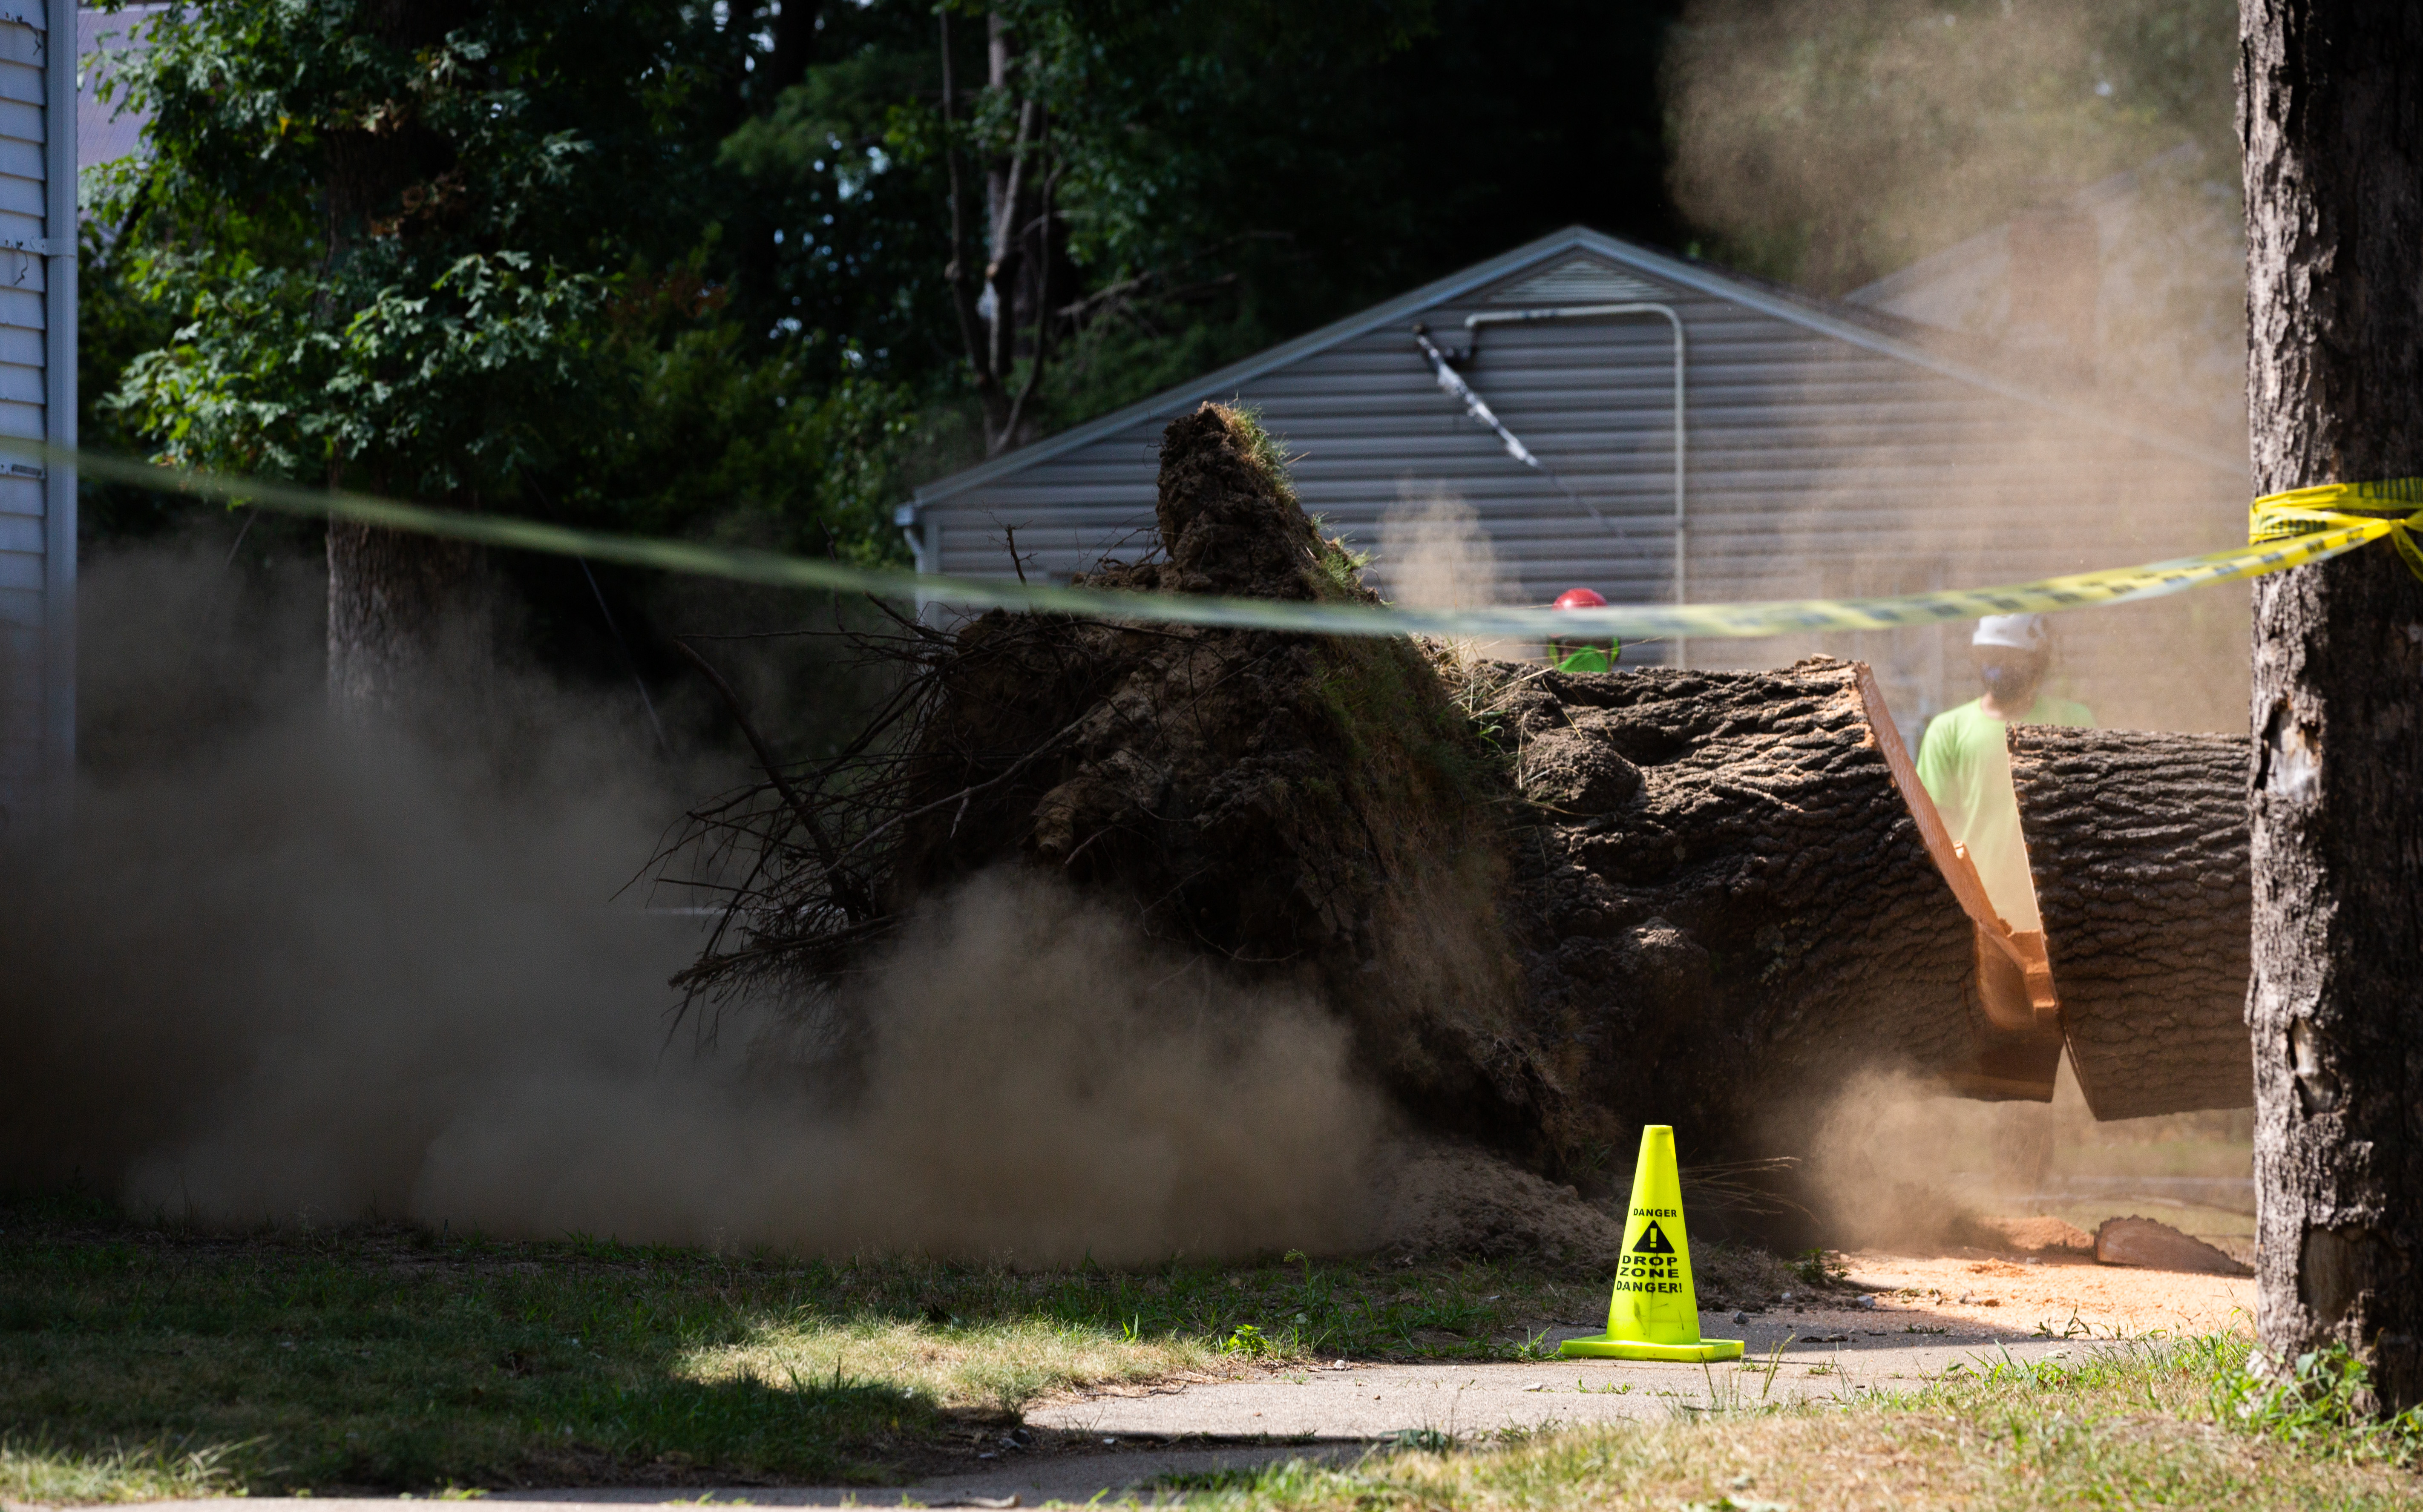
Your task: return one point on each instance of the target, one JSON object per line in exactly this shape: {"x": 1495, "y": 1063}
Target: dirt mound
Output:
{"x": 1229, "y": 522}
{"x": 1437, "y": 1198}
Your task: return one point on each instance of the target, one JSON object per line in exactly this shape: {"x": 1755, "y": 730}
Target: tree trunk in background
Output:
{"x": 1011, "y": 294}
{"x": 395, "y": 602}
{"x": 2332, "y": 114}
{"x": 2137, "y": 843}
{"x": 391, "y": 597}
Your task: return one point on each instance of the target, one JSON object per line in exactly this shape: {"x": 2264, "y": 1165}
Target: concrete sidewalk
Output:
{"x": 1337, "y": 1413}
{"x": 1833, "y": 1356}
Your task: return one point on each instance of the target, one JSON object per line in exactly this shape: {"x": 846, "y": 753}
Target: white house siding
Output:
{"x": 1825, "y": 457}
{"x": 36, "y": 400}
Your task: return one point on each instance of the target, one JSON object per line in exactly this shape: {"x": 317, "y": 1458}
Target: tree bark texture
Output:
{"x": 2137, "y": 843}
{"x": 404, "y": 618}
{"x": 1725, "y": 906}
{"x": 2331, "y": 109}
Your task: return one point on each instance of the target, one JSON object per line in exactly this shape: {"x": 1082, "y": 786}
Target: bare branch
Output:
{"x": 847, "y": 891}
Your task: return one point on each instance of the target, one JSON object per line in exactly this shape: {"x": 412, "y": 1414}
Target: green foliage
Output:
{"x": 35, "y": 1469}
{"x": 1819, "y": 1267}
{"x": 460, "y": 385}
{"x": 482, "y": 268}
{"x": 450, "y": 268}
{"x": 1342, "y": 567}
{"x": 1247, "y": 1339}
{"x": 2321, "y": 1402}
{"x": 784, "y": 430}
{"x": 1225, "y": 175}
{"x": 1264, "y": 449}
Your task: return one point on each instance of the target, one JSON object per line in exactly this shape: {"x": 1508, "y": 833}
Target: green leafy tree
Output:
{"x": 423, "y": 249}
{"x": 743, "y": 268}
{"x": 1112, "y": 196}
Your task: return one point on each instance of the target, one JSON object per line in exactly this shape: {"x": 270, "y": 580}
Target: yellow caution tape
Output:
{"x": 2392, "y": 509}
{"x": 2300, "y": 530}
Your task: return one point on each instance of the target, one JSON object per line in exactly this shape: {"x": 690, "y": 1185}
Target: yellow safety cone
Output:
{"x": 1653, "y": 1314}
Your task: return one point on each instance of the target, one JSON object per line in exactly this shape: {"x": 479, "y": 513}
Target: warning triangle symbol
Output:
{"x": 1652, "y": 1241}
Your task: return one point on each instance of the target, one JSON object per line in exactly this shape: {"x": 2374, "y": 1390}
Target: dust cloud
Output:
{"x": 1894, "y": 1163}
{"x": 1835, "y": 141}
{"x": 1435, "y": 554}
{"x": 2043, "y": 190}
{"x": 284, "y": 972}
{"x": 1036, "y": 1084}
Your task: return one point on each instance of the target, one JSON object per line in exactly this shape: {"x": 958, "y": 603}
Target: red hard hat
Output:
{"x": 1580, "y": 598}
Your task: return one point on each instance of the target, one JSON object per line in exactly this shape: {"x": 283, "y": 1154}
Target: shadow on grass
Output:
{"x": 139, "y": 1360}
{"x": 384, "y": 1356}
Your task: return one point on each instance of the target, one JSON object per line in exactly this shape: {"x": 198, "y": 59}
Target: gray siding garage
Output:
{"x": 1826, "y": 451}
{"x": 38, "y": 541}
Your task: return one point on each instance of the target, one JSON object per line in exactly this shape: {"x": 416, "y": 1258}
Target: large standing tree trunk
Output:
{"x": 2137, "y": 843}
{"x": 2331, "y": 112}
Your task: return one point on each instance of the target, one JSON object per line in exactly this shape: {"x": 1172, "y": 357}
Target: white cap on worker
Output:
{"x": 2020, "y": 631}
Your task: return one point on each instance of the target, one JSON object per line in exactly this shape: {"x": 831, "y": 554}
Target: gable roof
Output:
{"x": 1571, "y": 274}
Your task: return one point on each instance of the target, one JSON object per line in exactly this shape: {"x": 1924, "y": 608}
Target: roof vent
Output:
{"x": 1579, "y": 282}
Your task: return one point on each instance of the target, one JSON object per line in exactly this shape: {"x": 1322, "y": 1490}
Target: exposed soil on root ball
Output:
{"x": 1549, "y": 908}
{"x": 1291, "y": 809}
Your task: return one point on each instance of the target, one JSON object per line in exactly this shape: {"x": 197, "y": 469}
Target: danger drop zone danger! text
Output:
{"x": 1651, "y": 1264}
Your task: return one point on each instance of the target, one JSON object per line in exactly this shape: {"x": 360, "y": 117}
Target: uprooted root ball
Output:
{"x": 1549, "y": 908}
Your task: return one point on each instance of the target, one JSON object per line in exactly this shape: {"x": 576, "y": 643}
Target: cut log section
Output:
{"x": 1730, "y": 904}
{"x": 2137, "y": 843}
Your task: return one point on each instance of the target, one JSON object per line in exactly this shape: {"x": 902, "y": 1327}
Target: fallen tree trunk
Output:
{"x": 2137, "y": 842}
{"x": 1725, "y": 904}
{"x": 1550, "y": 908}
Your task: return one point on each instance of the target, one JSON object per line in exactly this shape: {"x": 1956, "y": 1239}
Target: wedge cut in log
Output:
{"x": 2137, "y": 843}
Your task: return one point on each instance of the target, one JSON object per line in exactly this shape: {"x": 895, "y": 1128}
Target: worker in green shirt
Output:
{"x": 1966, "y": 767}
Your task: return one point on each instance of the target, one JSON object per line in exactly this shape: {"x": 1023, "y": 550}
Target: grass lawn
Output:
{"x": 2129, "y": 1426}
{"x": 140, "y": 1362}
{"x": 137, "y": 1359}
